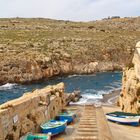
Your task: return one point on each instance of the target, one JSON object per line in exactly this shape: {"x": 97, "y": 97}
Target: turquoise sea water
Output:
{"x": 92, "y": 86}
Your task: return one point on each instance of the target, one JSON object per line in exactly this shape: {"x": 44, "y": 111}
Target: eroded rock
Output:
{"x": 129, "y": 100}
{"x": 73, "y": 97}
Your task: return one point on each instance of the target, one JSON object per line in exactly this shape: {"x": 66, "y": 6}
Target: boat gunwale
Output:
{"x": 63, "y": 123}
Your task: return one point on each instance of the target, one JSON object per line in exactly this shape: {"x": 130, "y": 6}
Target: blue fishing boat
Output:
{"x": 54, "y": 127}
{"x": 124, "y": 118}
{"x": 31, "y": 136}
{"x": 69, "y": 116}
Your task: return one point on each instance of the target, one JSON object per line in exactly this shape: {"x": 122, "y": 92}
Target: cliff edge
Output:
{"x": 130, "y": 95}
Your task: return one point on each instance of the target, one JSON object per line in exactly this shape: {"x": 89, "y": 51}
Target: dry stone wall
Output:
{"x": 25, "y": 114}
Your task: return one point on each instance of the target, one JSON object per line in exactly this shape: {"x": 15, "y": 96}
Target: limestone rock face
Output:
{"x": 130, "y": 95}
{"x": 28, "y": 70}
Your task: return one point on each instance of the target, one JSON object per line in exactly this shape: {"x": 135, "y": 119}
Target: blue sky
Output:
{"x": 76, "y": 10}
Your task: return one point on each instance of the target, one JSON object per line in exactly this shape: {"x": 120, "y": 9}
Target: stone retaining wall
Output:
{"x": 25, "y": 114}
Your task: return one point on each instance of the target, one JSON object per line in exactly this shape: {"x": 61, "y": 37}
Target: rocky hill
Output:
{"x": 32, "y": 49}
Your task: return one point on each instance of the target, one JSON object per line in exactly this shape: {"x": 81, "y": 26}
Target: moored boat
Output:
{"x": 54, "y": 127}
{"x": 124, "y": 118}
{"x": 69, "y": 116}
{"x": 31, "y": 136}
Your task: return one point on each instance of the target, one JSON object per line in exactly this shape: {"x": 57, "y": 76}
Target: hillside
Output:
{"x": 32, "y": 49}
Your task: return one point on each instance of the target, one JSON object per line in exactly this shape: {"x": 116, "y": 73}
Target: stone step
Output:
{"x": 88, "y": 121}
{"x": 87, "y": 126}
{"x": 93, "y": 124}
{"x": 86, "y": 138}
{"x": 84, "y": 119}
{"x": 91, "y": 119}
{"x": 88, "y": 118}
{"x": 87, "y": 133}
{"x": 89, "y": 110}
{"x": 89, "y": 107}
{"x": 88, "y": 115}
{"x": 87, "y": 130}
{"x": 90, "y": 124}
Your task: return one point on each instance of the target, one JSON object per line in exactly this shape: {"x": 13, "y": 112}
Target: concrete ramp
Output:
{"x": 93, "y": 125}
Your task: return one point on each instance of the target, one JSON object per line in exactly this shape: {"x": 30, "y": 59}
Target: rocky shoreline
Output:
{"x": 31, "y": 71}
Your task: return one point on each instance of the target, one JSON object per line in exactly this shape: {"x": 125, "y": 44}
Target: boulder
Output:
{"x": 73, "y": 97}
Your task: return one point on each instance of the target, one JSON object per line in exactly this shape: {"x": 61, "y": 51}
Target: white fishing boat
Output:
{"x": 124, "y": 118}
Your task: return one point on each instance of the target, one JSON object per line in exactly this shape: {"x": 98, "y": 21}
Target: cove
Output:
{"x": 91, "y": 86}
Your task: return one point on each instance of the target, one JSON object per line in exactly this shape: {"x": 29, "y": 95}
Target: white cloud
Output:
{"x": 82, "y": 10}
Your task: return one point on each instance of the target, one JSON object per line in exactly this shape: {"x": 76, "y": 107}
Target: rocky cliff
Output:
{"x": 130, "y": 95}
{"x": 32, "y": 49}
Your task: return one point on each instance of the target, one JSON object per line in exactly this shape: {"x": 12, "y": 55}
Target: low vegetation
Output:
{"x": 107, "y": 40}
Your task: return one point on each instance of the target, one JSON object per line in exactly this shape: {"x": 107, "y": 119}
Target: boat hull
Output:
{"x": 54, "y": 130}
{"x": 129, "y": 120}
{"x": 69, "y": 119}
{"x": 36, "y": 136}
{"x": 68, "y": 116}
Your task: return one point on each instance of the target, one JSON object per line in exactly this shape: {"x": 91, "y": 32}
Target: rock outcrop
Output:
{"x": 25, "y": 71}
{"x": 130, "y": 94}
{"x": 73, "y": 97}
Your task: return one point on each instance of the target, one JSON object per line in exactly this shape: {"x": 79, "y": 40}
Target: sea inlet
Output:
{"x": 92, "y": 86}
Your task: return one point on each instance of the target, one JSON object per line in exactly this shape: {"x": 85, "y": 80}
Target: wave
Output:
{"x": 81, "y": 75}
{"x": 74, "y": 75}
{"x": 92, "y": 96}
{"x": 115, "y": 84}
{"x": 95, "y": 92}
{"x": 88, "y": 98}
{"x": 7, "y": 86}
{"x": 110, "y": 87}
{"x": 110, "y": 100}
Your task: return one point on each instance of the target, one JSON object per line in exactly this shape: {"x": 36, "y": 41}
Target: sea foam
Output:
{"x": 7, "y": 86}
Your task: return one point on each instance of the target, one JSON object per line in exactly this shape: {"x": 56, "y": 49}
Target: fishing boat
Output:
{"x": 31, "y": 136}
{"x": 54, "y": 127}
{"x": 69, "y": 116}
{"x": 124, "y": 118}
